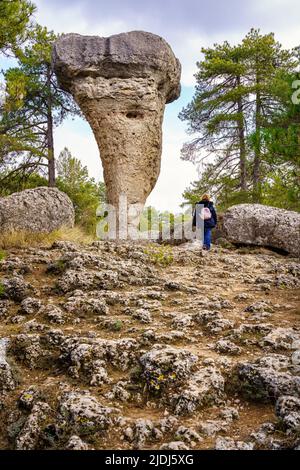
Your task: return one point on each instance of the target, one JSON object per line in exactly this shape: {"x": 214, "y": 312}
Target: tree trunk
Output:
{"x": 257, "y": 152}
{"x": 242, "y": 145}
{"x": 50, "y": 140}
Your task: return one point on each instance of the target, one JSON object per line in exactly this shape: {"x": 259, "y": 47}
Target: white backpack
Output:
{"x": 205, "y": 213}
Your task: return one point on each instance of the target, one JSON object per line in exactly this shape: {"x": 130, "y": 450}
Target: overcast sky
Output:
{"x": 187, "y": 25}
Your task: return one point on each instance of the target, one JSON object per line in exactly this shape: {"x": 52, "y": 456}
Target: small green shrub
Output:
{"x": 159, "y": 254}
{"x": 136, "y": 374}
{"x": 2, "y": 290}
{"x": 57, "y": 267}
{"x": 117, "y": 325}
{"x": 2, "y": 255}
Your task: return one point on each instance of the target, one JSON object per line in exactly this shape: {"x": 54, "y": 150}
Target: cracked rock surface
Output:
{"x": 256, "y": 224}
{"x": 81, "y": 369}
{"x": 36, "y": 210}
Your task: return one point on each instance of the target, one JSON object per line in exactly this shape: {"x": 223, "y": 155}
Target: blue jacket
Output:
{"x": 209, "y": 223}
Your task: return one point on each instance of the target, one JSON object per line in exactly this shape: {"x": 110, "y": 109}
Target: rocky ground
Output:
{"x": 102, "y": 349}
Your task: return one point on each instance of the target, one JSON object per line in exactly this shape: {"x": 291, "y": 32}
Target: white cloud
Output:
{"x": 277, "y": 9}
{"x": 74, "y": 20}
{"x": 188, "y": 50}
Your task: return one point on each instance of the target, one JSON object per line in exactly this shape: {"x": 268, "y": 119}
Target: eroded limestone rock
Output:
{"x": 122, "y": 84}
{"x": 36, "y": 210}
{"x": 267, "y": 378}
{"x": 83, "y": 414}
{"x": 28, "y": 437}
{"x": 288, "y": 410}
{"x": 7, "y": 381}
{"x": 255, "y": 224}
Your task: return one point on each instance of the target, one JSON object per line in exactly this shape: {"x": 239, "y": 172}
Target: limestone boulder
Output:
{"x": 267, "y": 378}
{"x": 83, "y": 414}
{"x": 7, "y": 381}
{"x": 256, "y": 224}
{"x": 36, "y": 210}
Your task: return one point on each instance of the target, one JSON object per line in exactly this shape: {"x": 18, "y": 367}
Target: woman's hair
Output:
{"x": 205, "y": 197}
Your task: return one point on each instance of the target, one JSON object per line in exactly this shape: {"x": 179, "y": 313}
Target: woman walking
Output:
{"x": 205, "y": 212}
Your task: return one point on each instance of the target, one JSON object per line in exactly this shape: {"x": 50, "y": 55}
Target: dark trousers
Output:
{"x": 207, "y": 238}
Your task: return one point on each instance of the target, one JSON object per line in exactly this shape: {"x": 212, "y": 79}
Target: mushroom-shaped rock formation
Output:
{"x": 122, "y": 84}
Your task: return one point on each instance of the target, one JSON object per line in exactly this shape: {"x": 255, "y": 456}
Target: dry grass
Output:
{"x": 22, "y": 239}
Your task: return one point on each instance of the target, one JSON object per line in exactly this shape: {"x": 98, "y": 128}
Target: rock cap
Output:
{"x": 125, "y": 55}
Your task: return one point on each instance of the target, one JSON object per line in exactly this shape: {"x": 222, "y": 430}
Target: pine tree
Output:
{"x": 281, "y": 141}
{"x": 15, "y": 18}
{"x": 86, "y": 194}
{"x": 218, "y": 114}
{"x": 238, "y": 92}
{"x": 265, "y": 62}
{"x": 35, "y": 104}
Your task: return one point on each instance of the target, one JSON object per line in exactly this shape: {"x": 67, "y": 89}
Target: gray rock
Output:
{"x": 188, "y": 435}
{"x": 258, "y": 311}
{"x": 29, "y": 397}
{"x": 7, "y": 381}
{"x": 88, "y": 358}
{"x": 213, "y": 321}
{"x": 182, "y": 321}
{"x": 28, "y": 438}
{"x": 144, "y": 429}
{"x": 119, "y": 392}
{"x": 163, "y": 365}
{"x": 30, "y": 305}
{"x": 280, "y": 338}
{"x": 229, "y": 414}
{"x": 263, "y": 436}
{"x": 83, "y": 414}
{"x": 75, "y": 443}
{"x": 172, "y": 336}
{"x": 255, "y": 224}
{"x": 83, "y": 305}
{"x": 27, "y": 349}
{"x": 241, "y": 297}
{"x": 36, "y": 210}
{"x": 267, "y": 378}
{"x": 226, "y": 443}
{"x": 4, "y": 308}
{"x": 206, "y": 316}
{"x": 174, "y": 445}
{"x": 16, "y": 288}
{"x": 260, "y": 306}
{"x": 224, "y": 346}
{"x": 219, "y": 325}
{"x": 288, "y": 410}
{"x": 248, "y": 333}
{"x": 205, "y": 387}
{"x": 211, "y": 427}
{"x": 142, "y": 315}
{"x": 87, "y": 280}
{"x": 168, "y": 424}
{"x": 54, "y": 314}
